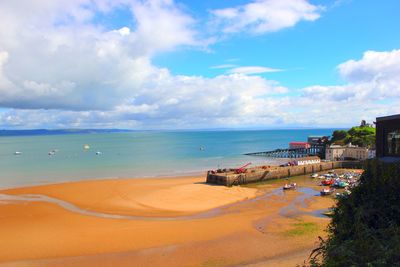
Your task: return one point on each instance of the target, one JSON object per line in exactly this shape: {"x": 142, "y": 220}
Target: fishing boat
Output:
{"x": 341, "y": 184}
{"x": 290, "y": 186}
{"x": 327, "y": 191}
{"x": 327, "y": 182}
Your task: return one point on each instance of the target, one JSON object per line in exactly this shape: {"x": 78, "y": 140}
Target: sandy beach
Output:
{"x": 177, "y": 221}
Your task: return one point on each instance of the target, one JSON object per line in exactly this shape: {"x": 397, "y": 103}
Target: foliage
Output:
{"x": 339, "y": 136}
{"x": 365, "y": 227}
{"x": 360, "y": 135}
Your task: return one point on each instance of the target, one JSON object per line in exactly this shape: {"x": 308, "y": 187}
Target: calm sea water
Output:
{"x": 135, "y": 154}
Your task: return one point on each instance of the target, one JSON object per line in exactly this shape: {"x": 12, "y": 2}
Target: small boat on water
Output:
{"x": 314, "y": 175}
{"x": 327, "y": 191}
{"x": 98, "y": 153}
{"x": 290, "y": 186}
{"x": 17, "y": 153}
{"x": 86, "y": 147}
{"x": 52, "y": 152}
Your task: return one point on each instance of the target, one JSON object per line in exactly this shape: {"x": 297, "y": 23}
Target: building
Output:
{"x": 334, "y": 152}
{"x": 347, "y": 152}
{"x": 388, "y": 136}
{"x": 317, "y": 139}
{"x": 304, "y": 145}
{"x": 314, "y": 140}
{"x": 307, "y": 160}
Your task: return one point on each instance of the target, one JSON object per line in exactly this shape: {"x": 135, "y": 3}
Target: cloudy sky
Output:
{"x": 164, "y": 64}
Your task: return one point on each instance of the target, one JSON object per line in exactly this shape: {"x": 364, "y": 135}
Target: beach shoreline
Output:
{"x": 115, "y": 221}
{"x": 83, "y": 179}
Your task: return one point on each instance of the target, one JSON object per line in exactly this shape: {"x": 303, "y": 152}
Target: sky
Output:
{"x": 210, "y": 64}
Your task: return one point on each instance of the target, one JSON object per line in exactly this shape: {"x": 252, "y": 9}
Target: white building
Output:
{"x": 336, "y": 152}
{"x": 307, "y": 160}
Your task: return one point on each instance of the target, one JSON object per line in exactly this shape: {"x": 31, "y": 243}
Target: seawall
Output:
{"x": 253, "y": 175}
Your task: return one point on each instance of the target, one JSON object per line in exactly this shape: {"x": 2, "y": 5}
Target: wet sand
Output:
{"x": 160, "y": 222}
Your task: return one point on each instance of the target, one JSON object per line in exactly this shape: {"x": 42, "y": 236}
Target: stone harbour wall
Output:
{"x": 259, "y": 174}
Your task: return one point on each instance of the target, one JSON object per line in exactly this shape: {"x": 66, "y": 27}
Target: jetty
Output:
{"x": 313, "y": 150}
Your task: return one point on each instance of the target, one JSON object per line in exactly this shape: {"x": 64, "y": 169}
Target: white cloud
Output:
{"x": 54, "y": 57}
{"x": 124, "y": 31}
{"x": 373, "y": 89}
{"x": 223, "y": 66}
{"x": 253, "y": 70}
{"x": 167, "y": 101}
{"x": 374, "y": 77}
{"x": 58, "y": 69}
{"x": 373, "y": 66}
{"x": 264, "y": 16}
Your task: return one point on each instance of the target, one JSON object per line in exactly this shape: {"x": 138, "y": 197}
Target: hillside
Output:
{"x": 359, "y": 135}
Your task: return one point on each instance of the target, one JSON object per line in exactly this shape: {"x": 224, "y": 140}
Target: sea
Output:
{"x": 135, "y": 153}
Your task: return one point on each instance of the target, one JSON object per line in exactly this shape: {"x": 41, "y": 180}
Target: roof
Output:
{"x": 348, "y": 146}
{"x": 386, "y": 118}
{"x": 336, "y": 146}
{"x": 308, "y": 158}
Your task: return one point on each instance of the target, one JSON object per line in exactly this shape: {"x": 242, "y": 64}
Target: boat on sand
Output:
{"x": 327, "y": 191}
{"x": 290, "y": 186}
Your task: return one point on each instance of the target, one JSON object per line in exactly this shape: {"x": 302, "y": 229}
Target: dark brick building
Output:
{"x": 388, "y": 136}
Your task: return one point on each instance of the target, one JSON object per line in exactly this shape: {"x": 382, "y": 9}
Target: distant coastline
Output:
{"x": 59, "y": 131}
{"x": 33, "y": 132}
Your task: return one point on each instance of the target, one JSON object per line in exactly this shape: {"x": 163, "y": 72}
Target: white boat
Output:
{"x": 17, "y": 153}
{"x": 314, "y": 175}
{"x": 86, "y": 147}
{"x": 98, "y": 153}
{"x": 289, "y": 186}
{"x": 327, "y": 191}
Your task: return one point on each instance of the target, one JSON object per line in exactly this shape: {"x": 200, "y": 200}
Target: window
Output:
{"x": 393, "y": 143}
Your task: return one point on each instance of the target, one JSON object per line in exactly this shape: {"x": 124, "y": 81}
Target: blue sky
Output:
{"x": 163, "y": 64}
{"x": 308, "y": 52}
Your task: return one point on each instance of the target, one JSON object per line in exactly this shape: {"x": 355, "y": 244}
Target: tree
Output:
{"x": 339, "y": 135}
